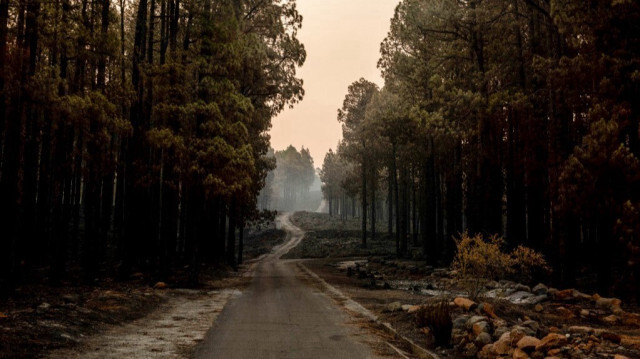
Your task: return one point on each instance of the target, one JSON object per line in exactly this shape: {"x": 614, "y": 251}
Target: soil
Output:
{"x": 375, "y": 278}
{"x": 39, "y": 320}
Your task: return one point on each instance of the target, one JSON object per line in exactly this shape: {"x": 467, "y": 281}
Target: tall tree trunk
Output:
{"x": 364, "y": 200}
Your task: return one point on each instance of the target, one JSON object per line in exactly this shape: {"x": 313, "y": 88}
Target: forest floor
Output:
{"x": 556, "y": 323}
{"x": 140, "y": 318}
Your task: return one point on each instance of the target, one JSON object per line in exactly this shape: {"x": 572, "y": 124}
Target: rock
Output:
{"x": 528, "y": 343}
{"x": 393, "y": 307}
{"x": 612, "y": 337}
{"x": 470, "y": 350}
{"x": 518, "y": 333}
{"x": 498, "y": 332}
{"x": 160, "y": 285}
{"x": 551, "y": 341}
{"x": 619, "y": 356}
{"x": 520, "y": 354}
{"x": 487, "y": 352}
{"x": 611, "y": 304}
{"x": 465, "y": 303}
{"x": 481, "y": 327}
{"x": 540, "y": 289}
{"x": 611, "y": 319}
{"x": 499, "y": 292}
{"x": 584, "y": 313}
{"x": 522, "y": 288}
{"x": 519, "y": 297}
{"x": 538, "y": 308}
{"x": 413, "y": 309}
{"x": 503, "y": 345}
{"x": 522, "y": 331}
{"x": 482, "y": 339}
{"x": 532, "y": 324}
{"x": 537, "y": 299}
{"x": 563, "y": 294}
{"x": 565, "y": 313}
{"x": 631, "y": 319}
{"x": 491, "y": 284}
{"x": 475, "y": 319}
{"x": 487, "y": 309}
{"x": 44, "y": 306}
{"x": 579, "y": 295}
{"x": 460, "y": 322}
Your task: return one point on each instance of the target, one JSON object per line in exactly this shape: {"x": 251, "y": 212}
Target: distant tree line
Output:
{"x": 510, "y": 117}
{"x": 288, "y": 184}
{"x": 133, "y": 134}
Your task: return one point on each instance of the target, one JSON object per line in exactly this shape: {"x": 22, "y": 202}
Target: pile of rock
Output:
{"x": 480, "y": 332}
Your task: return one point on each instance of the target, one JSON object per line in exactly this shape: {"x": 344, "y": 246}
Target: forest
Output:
{"x": 290, "y": 186}
{"x": 134, "y": 134}
{"x": 510, "y": 117}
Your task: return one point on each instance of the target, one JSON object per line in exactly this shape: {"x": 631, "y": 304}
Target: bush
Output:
{"x": 438, "y": 319}
{"x": 478, "y": 261}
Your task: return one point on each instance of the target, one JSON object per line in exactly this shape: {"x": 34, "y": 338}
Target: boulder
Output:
{"x": 531, "y": 324}
{"x": 631, "y": 319}
{"x": 475, "y": 319}
{"x": 499, "y": 292}
{"x": 540, "y": 289}
{"x": 470, "y": 350}
{"x": 563, "y": 294}
{"x": 612, "y": 337}
{"x": 160, "y": 285}
{"x": 611, "y": 304}
{"x": 520, "y": 354}
{"x": 553, "y": 340}
{"x": 503, "y": 345}
{"x": 460, "y": 322}
{"x": 499, "y": 331}
{"x": 465, "y": 303}
{"x": 481, "y": 327}
{"x": 486, "y": 308}
{"x": 393, "y": 307}
{"x": 522, "y": 331}
{"x": 520, "y": 297}
{"x": 528, "y": 343}
{"x": 487, "y": 352}
{"x": 565, "y": 313}
{"x": 538, "y": 308}
{"x": 611, "y": 319}
{"x": 482, "y": 339}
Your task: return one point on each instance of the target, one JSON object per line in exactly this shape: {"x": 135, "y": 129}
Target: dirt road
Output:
{"x": 280, "y": 316}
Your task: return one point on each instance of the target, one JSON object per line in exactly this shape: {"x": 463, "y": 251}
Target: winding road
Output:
{"x": 280, "y": 316}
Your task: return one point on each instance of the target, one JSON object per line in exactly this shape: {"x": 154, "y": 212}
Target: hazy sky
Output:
{"x": 342, "y": 39}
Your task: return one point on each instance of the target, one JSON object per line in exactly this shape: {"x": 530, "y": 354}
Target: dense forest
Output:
{"x": 134, "y": 133}
{"x": 510, "y": 117}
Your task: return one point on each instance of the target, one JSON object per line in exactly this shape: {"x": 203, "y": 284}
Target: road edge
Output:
{"x": 350, "y": 304}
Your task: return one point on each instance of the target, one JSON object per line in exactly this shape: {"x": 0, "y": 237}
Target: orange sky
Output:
{"x": 342, "y": 39}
